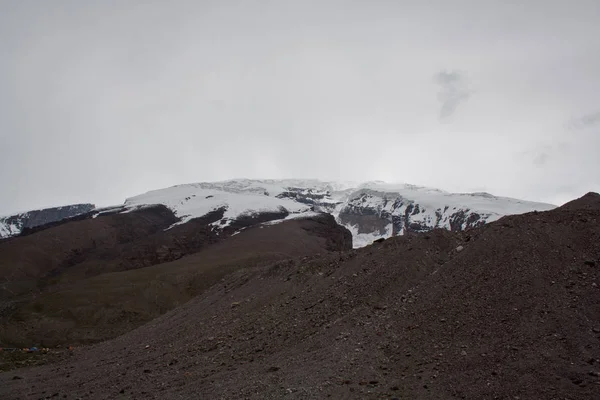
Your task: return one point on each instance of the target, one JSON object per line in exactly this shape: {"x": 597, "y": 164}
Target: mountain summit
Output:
{"x": 370, "y": 210}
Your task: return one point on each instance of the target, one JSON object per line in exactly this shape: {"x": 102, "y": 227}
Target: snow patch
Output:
{"x": 302, "y": 215}
{"x": 194, "y": 201}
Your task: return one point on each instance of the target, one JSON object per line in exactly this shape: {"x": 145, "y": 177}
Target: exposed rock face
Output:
{"x": 302, "y": 195}
{"x": 373, "y": 213}
{"x": 366, "y": 221}
{"x": 15, "y": 224}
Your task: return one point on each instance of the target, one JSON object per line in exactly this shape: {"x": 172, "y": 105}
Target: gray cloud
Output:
{"x": 541, "y": 159}
{"x": 100, "y": 100}
{"x": 539, "y": 155}
{"x": 584, "y": 121}
{"x": 453, "y": 91}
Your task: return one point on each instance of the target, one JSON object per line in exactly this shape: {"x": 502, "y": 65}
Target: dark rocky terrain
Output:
{"x": 508, "y": 310}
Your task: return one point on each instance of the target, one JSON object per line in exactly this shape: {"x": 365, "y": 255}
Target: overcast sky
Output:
{"x": 101, "y": 100}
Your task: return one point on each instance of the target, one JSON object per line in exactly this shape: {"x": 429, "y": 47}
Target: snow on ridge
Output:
{"x": 259, "y": 193}
{"x": 435, "y": 198}
{"x": 436, "y": 208}
{"x": 339, "y": 191}
{"x": 300, "y": 215}
{"x": 193, "y": 201}
{"x": 275, "y": 187}
{"x": 7, "y": 230}
{"x": 249, "y": 196}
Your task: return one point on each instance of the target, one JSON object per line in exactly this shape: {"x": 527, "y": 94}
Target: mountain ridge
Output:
{"x": 370, "y": 210}
{"x": 15, "y": 224}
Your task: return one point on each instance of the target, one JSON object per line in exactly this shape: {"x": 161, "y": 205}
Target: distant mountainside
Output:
{"x": 15, "y": 224}
{"x": 369, "y": 210}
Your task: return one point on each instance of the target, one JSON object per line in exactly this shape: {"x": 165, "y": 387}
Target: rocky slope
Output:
{"x": 13, "y": 225}
{"x": 508, "y": 310}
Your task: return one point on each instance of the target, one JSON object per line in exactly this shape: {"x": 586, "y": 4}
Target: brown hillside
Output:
{"x": 78, "y": 292}
{"x": 510, "y": 310}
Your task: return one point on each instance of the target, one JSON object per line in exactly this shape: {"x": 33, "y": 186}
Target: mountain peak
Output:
{"x": 370, "y": 210}
{"x": 589, "y": 201}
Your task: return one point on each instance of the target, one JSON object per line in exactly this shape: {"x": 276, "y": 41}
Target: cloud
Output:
{"x": 453, "y": 91}
{"x": 151, "y": 94}
{"x": 585, "y": 121}
{"x": 541, "y": 158}
{"x": 543, "y": 154}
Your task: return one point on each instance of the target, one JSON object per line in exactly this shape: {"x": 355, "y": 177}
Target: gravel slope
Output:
{"x": 510, "y": 310}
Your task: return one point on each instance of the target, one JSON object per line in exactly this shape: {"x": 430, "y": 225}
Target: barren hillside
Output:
{"x": 507, "y": 310}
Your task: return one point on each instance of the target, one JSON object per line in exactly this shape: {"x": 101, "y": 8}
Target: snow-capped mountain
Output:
{"x": 369, "y": 210}
{"x": 15, "y": 224}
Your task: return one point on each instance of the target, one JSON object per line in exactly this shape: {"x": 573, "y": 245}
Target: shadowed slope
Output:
{"x": 120, "y": 284}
